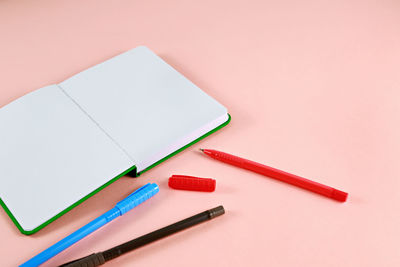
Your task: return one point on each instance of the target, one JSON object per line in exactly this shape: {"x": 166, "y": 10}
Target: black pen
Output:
{"x": 100, "y": 258}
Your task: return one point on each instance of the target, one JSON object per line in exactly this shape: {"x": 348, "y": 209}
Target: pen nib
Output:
{"x": 201, "y": 149}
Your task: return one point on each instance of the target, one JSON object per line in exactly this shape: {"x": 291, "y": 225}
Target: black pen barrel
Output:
{"x": 100, "y": 258}
{"x": 163, "y": 232}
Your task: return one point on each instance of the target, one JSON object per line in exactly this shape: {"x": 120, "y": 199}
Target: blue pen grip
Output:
{"x": 134, "y": 199}
{"x": 72, "y": 238}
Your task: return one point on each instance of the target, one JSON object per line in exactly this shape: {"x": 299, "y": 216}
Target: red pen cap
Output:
{"x": 185, "y": 182}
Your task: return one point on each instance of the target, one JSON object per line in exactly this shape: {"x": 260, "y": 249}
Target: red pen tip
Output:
{"x": 339, "y": 195}
{"x": 201, "y": 149}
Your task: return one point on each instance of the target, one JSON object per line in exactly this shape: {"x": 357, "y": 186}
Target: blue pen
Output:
{"x": 140, "y": 195}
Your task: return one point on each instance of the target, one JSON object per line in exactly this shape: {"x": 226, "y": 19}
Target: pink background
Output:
{"x": 312, "y": 87}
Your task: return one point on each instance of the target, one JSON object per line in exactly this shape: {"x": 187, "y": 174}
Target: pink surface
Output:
{"x": 312, "y": 87}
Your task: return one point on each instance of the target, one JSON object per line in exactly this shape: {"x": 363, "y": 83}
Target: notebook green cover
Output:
{"x": 73, "y": 136}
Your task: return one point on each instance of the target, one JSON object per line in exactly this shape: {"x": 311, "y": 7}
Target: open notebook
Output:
{"x": 62, "y": 143}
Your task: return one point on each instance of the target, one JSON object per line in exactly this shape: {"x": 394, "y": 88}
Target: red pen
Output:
{"x": 277, "y": 174}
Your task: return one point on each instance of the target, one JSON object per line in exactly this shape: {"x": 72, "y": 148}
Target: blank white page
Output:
{"x": 143, "y": 103}
{"x": 51, "y": 156}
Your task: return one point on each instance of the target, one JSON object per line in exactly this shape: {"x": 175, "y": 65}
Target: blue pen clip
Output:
{"x": 139, "y": 196}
